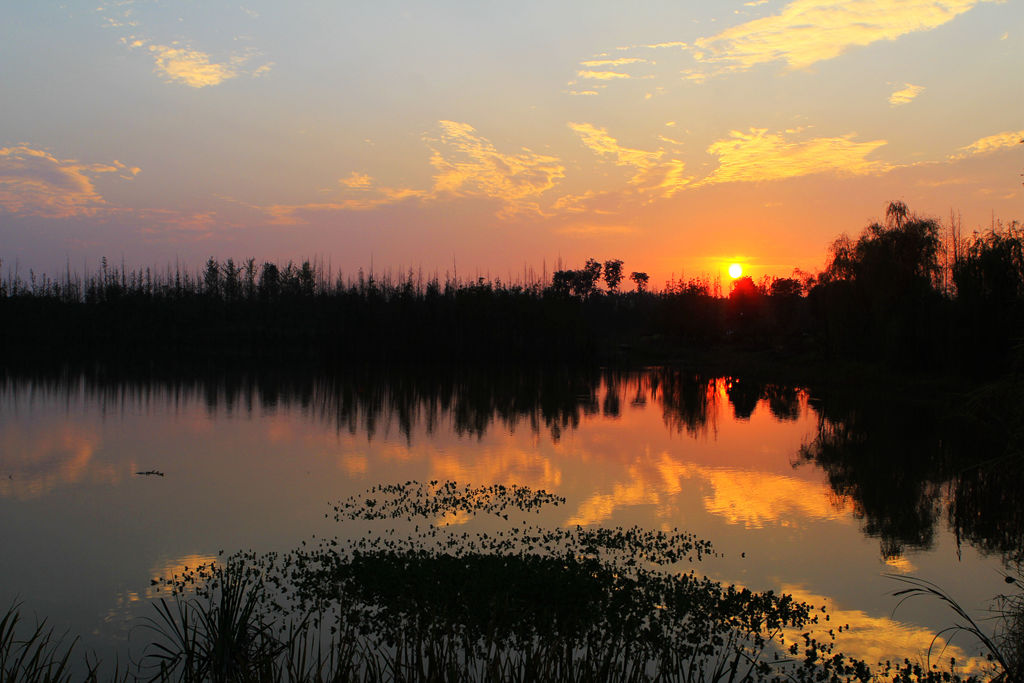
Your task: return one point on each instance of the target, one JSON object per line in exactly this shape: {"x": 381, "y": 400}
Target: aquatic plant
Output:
{"x": 421, "y": 600}
{"x": 215, "y": 636}
{"x": 433, "y": 602}
{"x": 1005, "y": 646}
{"x": 35, "y": 654}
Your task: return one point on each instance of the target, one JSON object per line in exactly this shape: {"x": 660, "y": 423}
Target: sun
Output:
{"x": 735, "y": 270}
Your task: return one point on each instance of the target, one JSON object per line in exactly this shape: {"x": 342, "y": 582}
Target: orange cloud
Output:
{"x": 908, "y": 93}
{"x": 621, "y": 61}
{"x": 192, "y": 67}
{"x": 992, "y": 143}
{"x": 177, "y": 62}
{"x": 809, "y": 31}
{"x": 650, "y": 174}
{"x": 602, "y": 75}
{"x": 35, "y": 182}
{"x": 760, "y": 155}
{"x": 357, "y": 181}
{"x": 466, "y": 164}
{"x": 600, "y": 142}
{"x": 469, "y": 164}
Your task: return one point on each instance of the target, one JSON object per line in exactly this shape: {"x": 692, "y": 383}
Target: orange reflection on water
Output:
{"x": 173, "y": 567}
{"x": 754, "y": 499}
{"x": 880, "y": 639}
{"x": 746, "y": 497}
{"x": 599, "y": 507}
{"x": 507, "y": 464}
{"x": 36, "y": 461}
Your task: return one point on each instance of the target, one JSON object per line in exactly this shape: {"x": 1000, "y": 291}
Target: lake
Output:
{"x": 110, "y": 480}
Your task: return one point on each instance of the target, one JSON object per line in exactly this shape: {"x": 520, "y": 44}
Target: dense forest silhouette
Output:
{"x": 902, "y": 296}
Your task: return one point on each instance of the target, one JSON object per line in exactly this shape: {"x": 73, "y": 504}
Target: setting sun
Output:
{"x": 735, "y": 270}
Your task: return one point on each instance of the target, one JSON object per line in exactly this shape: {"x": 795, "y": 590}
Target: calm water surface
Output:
{"x": 816, "y": 496}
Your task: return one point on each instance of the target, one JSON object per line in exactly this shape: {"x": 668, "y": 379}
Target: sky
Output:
{"x": 499, "y": 138}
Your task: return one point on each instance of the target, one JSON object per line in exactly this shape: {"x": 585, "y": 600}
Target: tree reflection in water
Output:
{"x": 899, "y": 463}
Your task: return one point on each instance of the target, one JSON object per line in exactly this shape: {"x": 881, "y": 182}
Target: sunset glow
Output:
{"x": 735, "y": 270}
{"x": 503, "y": 139}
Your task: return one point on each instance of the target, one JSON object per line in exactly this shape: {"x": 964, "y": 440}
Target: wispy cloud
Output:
{"x": 809, "y": 31}
{"x": 600, "y": 142}
{"x": 170, "y": 226}
{"x": 991, "y": 143}
{"x": 906, "y": 94}
{"x": 294, "y": 214}
{"x": 654, "y": 46}
{"x": 177, "y": 61}
{"x": 759, "y": 155}
{"x": 602, "y": 75}
{"x": 622, "y": 61}
{"x": 466, "y": 164}
{"x": 805, "y": 32}
{"x": 357, "y": 181}
{"x": 35, "y": 182}
{"x": 650, "y": 172}
{"x": 590, "y": 229}
{"x": 469, "y": 164}
{"x": 192, "y": 67}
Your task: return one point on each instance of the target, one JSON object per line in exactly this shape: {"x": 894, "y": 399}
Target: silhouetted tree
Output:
{"x": 211, "y": 277}
{"x": 640, "y": 279}
{"x": 232, "y": 282}
{"x": 306, "y": 279}
{"x": 613, "y": 274}
{"x": 989, "y": 277}
{"x": 785, "y": 287}
{"x": 589, "y": 277}
{"x": 878, "y": 295}
{"x": 270, "y": 281}
{"x": 562, "y": 282}
{"x": 743, "y": 288}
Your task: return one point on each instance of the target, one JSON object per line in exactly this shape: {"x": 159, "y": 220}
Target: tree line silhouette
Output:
{"x": 902, "y": 295}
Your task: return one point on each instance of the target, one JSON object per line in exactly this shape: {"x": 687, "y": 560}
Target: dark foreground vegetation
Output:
{"x": 435, "y": 603}
{"x": 907, "y": 294}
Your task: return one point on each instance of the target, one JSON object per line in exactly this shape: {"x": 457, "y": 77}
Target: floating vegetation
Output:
{"x": 435, "y": 603}
{"x": 432, "y": 603}
{"x": 436, "y": 499}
